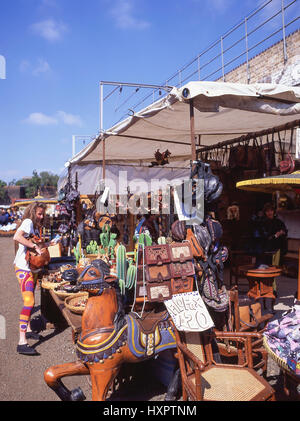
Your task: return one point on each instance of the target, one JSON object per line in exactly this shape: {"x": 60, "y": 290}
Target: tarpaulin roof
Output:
{"x": 222, "y": 111}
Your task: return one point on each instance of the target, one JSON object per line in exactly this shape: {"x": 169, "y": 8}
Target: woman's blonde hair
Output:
{"x": 30, "y": 213}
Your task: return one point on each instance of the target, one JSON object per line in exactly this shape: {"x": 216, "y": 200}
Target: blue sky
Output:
{"x": 57, "y": 52}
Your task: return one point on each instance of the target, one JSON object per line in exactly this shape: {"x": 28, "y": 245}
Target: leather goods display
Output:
{"x": 197, "y": 250}
{"x": 35, "y": 260}
{"x": 212, "y": 185}
{"x": 159, "y": 291}
{"x": 238, "y": 156}
{"x": 168, "y": 269}
{"x": 287, "y": 166}
{"x": 178, "y": 230}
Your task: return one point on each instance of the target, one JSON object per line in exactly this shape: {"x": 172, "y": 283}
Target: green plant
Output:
{"x": 121, "y": 262}
{"x": 131, "y": 275}
{"x": 145, "y": 239}
{"x": 122, "y": 286}
{"x": 108, "y": 241}
{"x": 92, "y": 247}
{"x": 104, "y": 236}
{"x": 77, "y": 252}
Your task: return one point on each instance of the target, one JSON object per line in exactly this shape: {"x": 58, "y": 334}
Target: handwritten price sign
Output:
{"x": 189, "y": 312}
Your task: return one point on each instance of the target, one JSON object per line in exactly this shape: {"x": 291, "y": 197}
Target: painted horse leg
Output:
{"x": 102, "y": 378}
{"x": 53, "y": 377}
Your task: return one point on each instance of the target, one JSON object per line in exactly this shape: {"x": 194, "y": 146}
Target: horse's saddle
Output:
{"x": 150, "y": 334}
{"x": 148, "y": 323}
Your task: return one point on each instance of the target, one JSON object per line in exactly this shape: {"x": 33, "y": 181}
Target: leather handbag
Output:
{"x": 197, "y": 250}
{"x": 168, "y": 269}
{"x": 178, "y": 230}
{"x": 287, "y": 165}
{"x": 35, "y": 260}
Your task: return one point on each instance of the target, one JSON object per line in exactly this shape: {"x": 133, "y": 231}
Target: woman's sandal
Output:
{"x": 26, "y": 350}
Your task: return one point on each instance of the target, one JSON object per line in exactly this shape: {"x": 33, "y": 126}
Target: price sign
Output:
{"x": 189, "y": 313}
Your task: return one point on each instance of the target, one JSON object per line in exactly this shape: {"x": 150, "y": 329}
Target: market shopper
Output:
{"x": 32, "y": 223}
{"x": 274, "y": 233}
{"x": 4, "y": 217}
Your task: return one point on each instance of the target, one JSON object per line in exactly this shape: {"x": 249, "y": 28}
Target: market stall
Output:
{"x": 130, "y": 287}
{"x": 219, "y": 123}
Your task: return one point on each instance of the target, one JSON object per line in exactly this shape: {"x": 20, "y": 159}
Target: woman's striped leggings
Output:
{"x": 27, "y": 282}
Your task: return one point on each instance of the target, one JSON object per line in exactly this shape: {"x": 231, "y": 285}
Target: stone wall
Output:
{"x": 269, "y": 65}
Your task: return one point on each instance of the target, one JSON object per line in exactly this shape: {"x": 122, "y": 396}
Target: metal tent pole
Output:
{"x": 192, "y": 127}
{"x": 101, "y": 130}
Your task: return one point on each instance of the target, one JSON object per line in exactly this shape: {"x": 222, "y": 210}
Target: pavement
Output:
{"x": 21, "y": 377}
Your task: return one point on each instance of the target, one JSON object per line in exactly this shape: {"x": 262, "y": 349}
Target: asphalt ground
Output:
{"x": 21, "y": 377}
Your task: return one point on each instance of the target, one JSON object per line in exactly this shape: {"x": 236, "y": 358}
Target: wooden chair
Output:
{"x": 246, "y": 316}
{"x": 204, "y": 379}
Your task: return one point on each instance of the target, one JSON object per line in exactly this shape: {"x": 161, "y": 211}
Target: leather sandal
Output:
{"x": 26, "y": 350}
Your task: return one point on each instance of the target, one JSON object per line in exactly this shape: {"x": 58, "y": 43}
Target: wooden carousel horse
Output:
{"x": 109, "y": 337}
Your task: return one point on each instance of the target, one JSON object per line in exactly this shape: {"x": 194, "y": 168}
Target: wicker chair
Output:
{"x": 246, "y": 318}
{"x": 204, "y": 379}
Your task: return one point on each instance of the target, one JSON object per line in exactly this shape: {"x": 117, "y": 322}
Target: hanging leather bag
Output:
{"x": 35, "y": 260}
{"x": 287, "y": 166}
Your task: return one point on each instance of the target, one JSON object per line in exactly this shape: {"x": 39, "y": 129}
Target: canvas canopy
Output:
{"x": 222, "y": 111}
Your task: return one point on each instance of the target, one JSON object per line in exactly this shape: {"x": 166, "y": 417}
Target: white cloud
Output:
{"x": 69, "y": 119}
{"x": 42, "y": 67}
{"x": 49, "y": 29}
{"x": 41, "y": 119}
{"x": 122, "y": 13}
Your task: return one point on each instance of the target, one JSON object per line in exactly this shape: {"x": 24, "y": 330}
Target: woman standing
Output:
{"x": 274, "y": 232}
{"x": 32, "y": 223}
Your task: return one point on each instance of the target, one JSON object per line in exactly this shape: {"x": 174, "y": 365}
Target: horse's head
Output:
{"x": 94, "y": 278}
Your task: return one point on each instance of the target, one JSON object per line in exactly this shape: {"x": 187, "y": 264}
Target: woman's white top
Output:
{"x": 20, "y": 258}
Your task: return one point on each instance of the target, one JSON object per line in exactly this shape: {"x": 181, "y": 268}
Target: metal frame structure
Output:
{"x": 80, "y": 137}
{"x": 234, "y": 48}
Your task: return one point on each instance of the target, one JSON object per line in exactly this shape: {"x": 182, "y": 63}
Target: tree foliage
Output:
{"x": 34, "y": 183}
{"x": 2, "y": 189}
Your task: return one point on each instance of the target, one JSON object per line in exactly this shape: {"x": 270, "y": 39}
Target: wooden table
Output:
{"x": 54, "y": 310}
{"x": 261, "y": 283}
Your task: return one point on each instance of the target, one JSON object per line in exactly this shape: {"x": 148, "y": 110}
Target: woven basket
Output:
{"x": 65, "y": 294}
{"x": 92, "y": 256}
{"x": 70, "y": 302}
{"x": 281, "y": 363}
{"x": 51, "y": 285}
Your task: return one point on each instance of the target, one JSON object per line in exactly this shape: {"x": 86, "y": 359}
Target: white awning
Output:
{"x": 222, "y": 111}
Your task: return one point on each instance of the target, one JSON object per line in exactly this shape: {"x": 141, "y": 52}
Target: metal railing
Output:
{"x": 271, "y": 22}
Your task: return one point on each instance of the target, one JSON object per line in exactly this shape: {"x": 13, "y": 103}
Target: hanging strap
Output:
{"x": 280, "y": 146}
{"x": 291, "y": 140}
